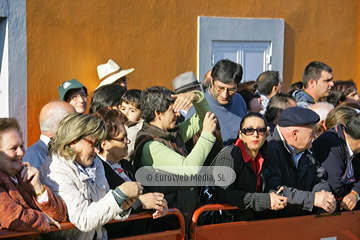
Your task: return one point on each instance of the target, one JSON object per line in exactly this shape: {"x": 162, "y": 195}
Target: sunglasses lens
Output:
{"x": 262, "y": 131}
{"x": 248, "y": 131}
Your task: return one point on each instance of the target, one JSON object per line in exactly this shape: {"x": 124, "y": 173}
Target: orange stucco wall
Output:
{"x": 67, "y": 39}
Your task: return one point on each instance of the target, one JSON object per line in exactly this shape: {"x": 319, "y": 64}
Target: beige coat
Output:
{"x": 90, "y": 205}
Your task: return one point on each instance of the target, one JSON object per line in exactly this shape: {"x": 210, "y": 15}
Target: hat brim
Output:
{"x": 179, "y": 90}
{"x": 115, "y": 77}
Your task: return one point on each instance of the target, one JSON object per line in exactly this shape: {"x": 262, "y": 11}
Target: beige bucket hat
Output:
{"x": 110, "y": 72}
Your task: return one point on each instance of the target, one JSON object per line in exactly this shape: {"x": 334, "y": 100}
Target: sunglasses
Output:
{"x": 250, "y": 131}
{"x": 92, "y": 143}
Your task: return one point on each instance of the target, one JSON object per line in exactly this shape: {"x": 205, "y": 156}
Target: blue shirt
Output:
{"x": 229, "y": 116}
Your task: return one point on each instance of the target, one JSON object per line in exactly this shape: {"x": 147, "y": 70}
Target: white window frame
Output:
{"x": 13, "y": 73}
{"x": 239, "y": 29}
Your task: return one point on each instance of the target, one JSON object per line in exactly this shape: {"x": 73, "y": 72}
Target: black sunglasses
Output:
{"x": 250, "y": 131}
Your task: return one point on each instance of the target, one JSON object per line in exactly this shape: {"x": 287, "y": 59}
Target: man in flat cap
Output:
{"x": 290, "y": 163}
{"x": 338, "y": 150}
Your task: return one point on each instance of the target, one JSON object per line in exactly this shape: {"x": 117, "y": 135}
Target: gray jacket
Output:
{"x": 303, "y": 99}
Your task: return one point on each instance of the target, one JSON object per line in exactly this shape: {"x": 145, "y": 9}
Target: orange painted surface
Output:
{"x": 68, "y": 39}
{"x": 342, "y": 225}
{"x": 177, "y": 234}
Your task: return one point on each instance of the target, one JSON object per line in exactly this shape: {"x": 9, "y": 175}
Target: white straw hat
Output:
{"x": 110, "y": 72}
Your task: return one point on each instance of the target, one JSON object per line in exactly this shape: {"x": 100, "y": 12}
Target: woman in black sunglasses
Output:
{"x": 245, "y": 158}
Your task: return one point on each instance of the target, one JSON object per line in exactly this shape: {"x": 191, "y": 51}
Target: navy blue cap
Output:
{"x": 297, "y": 116}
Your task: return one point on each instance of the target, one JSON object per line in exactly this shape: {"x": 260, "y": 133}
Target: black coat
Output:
{"x": 301, "y": 183}
{"x": 331, "y": 150}
{"x": 242, "y": 192}
{"x": 130, "y": 228}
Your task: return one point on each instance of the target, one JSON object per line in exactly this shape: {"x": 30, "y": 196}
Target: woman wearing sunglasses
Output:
{"x": 78, "y": 178}
{"x": 118, "y": 170}
{"x": 245, "y": 158}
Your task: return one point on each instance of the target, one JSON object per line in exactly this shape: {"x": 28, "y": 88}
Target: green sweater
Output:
{"x": 158, "y": 155}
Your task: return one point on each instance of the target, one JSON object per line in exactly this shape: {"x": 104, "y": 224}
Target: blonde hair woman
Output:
{"x": 73, "y": 173}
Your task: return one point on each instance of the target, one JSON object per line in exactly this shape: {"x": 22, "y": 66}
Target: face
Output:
{"x": 324, "y": 84}
{"x": 117, "y": 147}
{"x": 354, "y": 96}
{"x": 11, "y": 152}
{"x": 222, "y": 92}
{"x": 255, "y": 105}
{"x": 131, "y": 112}
{"x": 254, "y": 141}
{"x": 168, "y": 118}
{"x": 85, "y": 151}
{"x": 78, "y": 99}
{"x": 305, "y": 135}
{"x": 122, "y": 82}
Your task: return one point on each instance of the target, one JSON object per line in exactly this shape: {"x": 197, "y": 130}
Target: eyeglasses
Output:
{"x": 92, "y": 143}
{"x": 250, "y": 131}
{"x": 222, "y": 89}
{"x": 75, "y": 97}
{"x": 124, "y": 140}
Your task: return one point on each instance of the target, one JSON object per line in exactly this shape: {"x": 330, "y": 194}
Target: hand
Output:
{"x": 29, "y": 173}
{"x": 127, "y": 203}
{"x": 277, "y": 202}
{"x": 183, "y": 100}
{"x": 50, "y": 220}
{"x": 210, "y": 122}
{"x": 155, "y": 201}
{"x": 348, "y": 202}
{"x": 161, "y": 213}
{"x": 131, "y": 189}
{"x": 325, "y": 200}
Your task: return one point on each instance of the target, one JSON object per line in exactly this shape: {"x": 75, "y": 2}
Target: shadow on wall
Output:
{"x": 289, "y": 55}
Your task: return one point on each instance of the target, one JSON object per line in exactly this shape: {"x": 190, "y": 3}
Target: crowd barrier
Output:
{"x": 340, "y": 225}
{"x": 177, "y": 234}
{"x": 343, "y": 225}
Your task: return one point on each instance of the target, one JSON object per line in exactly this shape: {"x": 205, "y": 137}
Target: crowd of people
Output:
{"x": 293, "y": 153}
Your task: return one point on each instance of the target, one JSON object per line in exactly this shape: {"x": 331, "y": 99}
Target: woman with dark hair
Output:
{"x": 118, "y": 170}
{"x": 160, "y": 144}
{"x": 245, "y": 158}
{"x": 343, "y": 91}
{"x": 250, "y": 86}
{"x": 252, "y": 100}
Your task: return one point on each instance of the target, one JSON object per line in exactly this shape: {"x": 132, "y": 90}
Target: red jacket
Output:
{"x": 20, "y": 210}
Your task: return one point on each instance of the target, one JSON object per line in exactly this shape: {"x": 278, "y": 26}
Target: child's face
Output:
{"x": 132, "y": 113}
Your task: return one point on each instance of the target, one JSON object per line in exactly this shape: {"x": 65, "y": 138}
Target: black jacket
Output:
{"x": 242, "y": 192}
{"x": 331, "y": 150}
{"x": 300, "y": 183}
